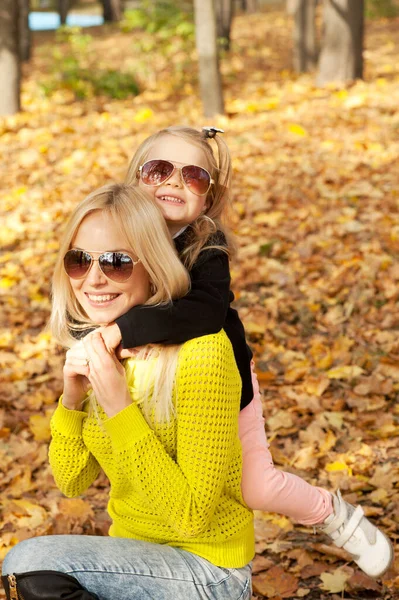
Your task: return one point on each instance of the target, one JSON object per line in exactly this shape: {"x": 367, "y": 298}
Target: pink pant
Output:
{"x": 266, "y": 488}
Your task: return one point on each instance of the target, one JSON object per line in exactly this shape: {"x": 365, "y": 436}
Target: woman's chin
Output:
{"x": 103, "y": 316}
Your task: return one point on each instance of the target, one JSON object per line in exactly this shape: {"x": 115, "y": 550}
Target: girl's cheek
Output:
{"x": 148, "y": 189}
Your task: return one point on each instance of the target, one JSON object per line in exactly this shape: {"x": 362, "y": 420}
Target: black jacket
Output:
{"x": 204, "y": 310}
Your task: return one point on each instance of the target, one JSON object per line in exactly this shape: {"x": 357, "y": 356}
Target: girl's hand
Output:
{"x": 111, "y": 335}
{"x": 122, "y": 353}
{"x": 76, "y": 371}
{"x": 106, "y": 375}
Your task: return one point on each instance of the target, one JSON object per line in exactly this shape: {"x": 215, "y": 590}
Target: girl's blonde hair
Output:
{"x": 218, "y": 200}
{"x": 142, "y": 227}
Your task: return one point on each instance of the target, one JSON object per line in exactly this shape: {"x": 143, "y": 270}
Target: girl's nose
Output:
{"x": 175, "y": 179}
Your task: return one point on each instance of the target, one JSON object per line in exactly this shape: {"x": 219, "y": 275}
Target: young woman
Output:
{"x": 163, "y": 427}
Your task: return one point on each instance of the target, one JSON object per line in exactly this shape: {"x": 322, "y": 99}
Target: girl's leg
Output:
{"x": 130, "y": 569}
{"x": 266, "y": 488}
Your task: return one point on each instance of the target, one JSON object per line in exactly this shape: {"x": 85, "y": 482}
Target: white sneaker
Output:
{"x": 351, "y": 530}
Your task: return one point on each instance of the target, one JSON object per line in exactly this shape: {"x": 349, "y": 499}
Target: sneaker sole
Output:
{"x": 391, "y": 558}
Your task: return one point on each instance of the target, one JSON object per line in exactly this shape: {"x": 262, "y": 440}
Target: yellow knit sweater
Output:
{"x": 175, "y": 483}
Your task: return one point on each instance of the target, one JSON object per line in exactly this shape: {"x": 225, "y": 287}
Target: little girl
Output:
{"x": 178, "y": 167}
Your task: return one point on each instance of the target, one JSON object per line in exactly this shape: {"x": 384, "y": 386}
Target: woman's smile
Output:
{"x": 101, "y": 300}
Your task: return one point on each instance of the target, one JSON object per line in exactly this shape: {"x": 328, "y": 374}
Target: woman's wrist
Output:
{"x": 68, "y": 403}
{"x": 117, "y": 407}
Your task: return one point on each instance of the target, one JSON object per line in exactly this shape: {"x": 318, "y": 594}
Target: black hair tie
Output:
{"x": 210, "y": 132}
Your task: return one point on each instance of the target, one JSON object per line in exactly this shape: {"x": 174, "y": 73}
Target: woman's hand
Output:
{"x": 106, "y": 375}
{"x": 76, "y": 372}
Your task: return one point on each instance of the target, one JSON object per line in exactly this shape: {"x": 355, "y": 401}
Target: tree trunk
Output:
{"x": 112, "y": 10}
{"x": 10, "y": 69}
{"x": 24, "y": 30}
{"x": 209, "y": 72}
{"x": 305, "y": 44}
{"x": 224, "y": 17}
{"x": 250, "y": 6}
{"x": 341, "y": 57}
{"x": 63, "y": 8}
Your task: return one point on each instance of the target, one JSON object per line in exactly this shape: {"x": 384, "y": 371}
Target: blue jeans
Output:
{"x": 130, "y": 569}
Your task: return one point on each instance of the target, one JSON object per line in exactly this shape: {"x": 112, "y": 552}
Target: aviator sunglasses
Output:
{"x": 156, "y": 172}
{"x": 117, "y": 266}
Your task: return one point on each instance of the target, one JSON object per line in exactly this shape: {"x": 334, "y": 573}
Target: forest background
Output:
{"x": 316, "y": 201}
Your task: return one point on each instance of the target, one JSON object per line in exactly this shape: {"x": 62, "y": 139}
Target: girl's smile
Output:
{"x": 169, "y": 198}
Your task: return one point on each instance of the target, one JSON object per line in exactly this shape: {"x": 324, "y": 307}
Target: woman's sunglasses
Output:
{"x": 156, "y": 172}
{"x": 117, "y": 266}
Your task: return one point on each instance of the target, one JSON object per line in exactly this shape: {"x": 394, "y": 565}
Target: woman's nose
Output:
{"x": 95, "y": 276}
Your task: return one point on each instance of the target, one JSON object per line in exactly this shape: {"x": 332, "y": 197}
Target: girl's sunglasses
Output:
{"x": 117, "y": 266}
{"x": 156, "y": 172}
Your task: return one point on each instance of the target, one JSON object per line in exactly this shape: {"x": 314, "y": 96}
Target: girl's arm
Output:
{"x": 201, "y": 312}
{"x": 185, "y": 491}
{"x": 74, "y": 467}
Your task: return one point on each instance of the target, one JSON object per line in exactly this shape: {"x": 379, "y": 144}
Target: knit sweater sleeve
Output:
{"x": 74, "y": 467}
{"x": 184, "y": 490}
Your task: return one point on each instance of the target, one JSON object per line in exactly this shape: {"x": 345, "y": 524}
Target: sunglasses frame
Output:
{"x": 93, "y": 260}
{"x": 139, "y": 174}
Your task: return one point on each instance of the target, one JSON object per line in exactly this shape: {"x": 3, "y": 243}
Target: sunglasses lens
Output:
{"x": 155, "y": 172}
{"x": 116, "y": 266}
{"x": 196, "y": 179}
{"x": 77, "y": 263}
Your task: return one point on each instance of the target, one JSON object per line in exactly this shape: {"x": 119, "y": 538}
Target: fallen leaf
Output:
{"x": 275, "y": 582}
{"x": 335, "y": 582}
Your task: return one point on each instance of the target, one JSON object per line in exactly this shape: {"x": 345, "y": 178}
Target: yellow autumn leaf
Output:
{"x": 335, "y": 419}
{"x": 261, "y": 105}
{"x": 254, "y": 328}
{"x": 282, "y": 419}
{"x": 282, "y": 522}
{"x": 338, "y": 465}
{"x": 40, "y": 426}
{"x": 6, "y": 338}
{"x": 305, "y": 458}
{"x": 297, "y": 130}
{"x": 355, "y": 101}
{"x": 321, "y": 355}
{"x": 379, "y": 496}
{"x": 6, "y": 282}
{"x": 7, "y": 236}
{"x": 7, "y": 541}
{"x": 297, "y": 371}
{"x": 334, "y": 582}
{"x": 328, "y": 144}
{"x": 75, "y": 507}
{"x": 31, "y": 515}
{"x": 316, "y": 386}
{"x": 341, "y": 94}
{"x": 327, "y": 443}
{"x": 345, "y": 372}
{"x": 143, "y": 115}
{"x": 272, "y": 218}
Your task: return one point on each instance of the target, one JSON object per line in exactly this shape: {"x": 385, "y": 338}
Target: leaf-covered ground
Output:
{"x": 316, "y": 192}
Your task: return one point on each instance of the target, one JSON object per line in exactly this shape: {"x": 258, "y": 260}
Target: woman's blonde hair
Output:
{"x": 143, "y": 229}
{"x": 218, "y": 200}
